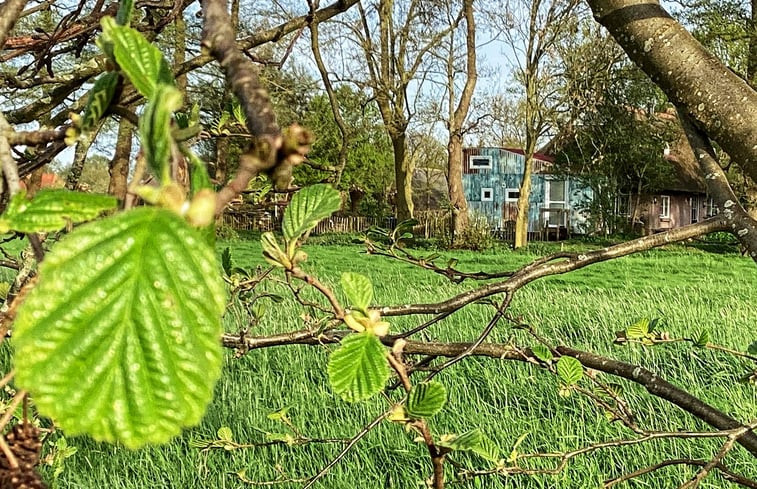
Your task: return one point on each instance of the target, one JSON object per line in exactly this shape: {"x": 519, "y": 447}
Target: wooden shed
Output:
{"x": 492, "y": 179}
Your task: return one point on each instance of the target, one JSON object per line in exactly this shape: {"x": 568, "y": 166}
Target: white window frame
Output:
{"x": 664, "y": 208}
{"x": 694, "y": 204}
{"x": 548, "y": 203}
{"x": 507, "y": 194}
{"x": 480, "y": 167}
{"x": 491, "y": 194}
{"x": 711, "y": 207}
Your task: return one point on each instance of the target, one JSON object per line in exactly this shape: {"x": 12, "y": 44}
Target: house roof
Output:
{"x": 687, "y": 176}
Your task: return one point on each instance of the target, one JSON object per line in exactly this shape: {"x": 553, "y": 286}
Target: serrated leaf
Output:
{"x": 140, "y": 60}
{"x": 468, "y": 441}
{"x": 308, "y": 206}
{"x": 52, "y": 209}
{"x": 272, "y": 252}
{"x": 224, "y": 433}
{"x": 702, "y": 339}
{"x": 426, "y": 399}
{"x": 119, "y": 339}
{"x": 357, "y": 369}
{"x": 199, "y": 177}
{"x": 99, "y": 99}
{"x": 487, "y": 449}
{"x": 638, "y": 330}
{"x": 125, "y": 9}
{"x": 542, "y": 353}
{"x": 359, "y": 290}
{"x": 226, "y": 261}
{"x": 155, "y": 130}
{"x": 569, "y": 370}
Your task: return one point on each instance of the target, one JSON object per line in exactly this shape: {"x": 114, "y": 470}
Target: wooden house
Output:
{"x": 681, "y": 201}
{"x": 492, "y": 179}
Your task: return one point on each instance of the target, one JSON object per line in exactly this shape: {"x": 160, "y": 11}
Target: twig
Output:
{"x": 725, "y": 472}
{"x": 353, "y": 441}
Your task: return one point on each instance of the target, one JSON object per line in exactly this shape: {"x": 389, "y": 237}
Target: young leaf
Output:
{"x": 308, "y": 206}
{"x": 99, "y": 99}
{"x": 468, "y": 441}
{"x": 224, "y": 434}
{"x": 359, "y": 290}
{"x": 155, "y": 129}
{"x": 227, "y": 262}
{"x": 120, "y": 337}
{"x": 702, "y": 339}
{"x": 426, "y": 399}
{"x": 125, "y": 9}
{"x": 139, "y": 59}
{"x": 358, "y": 369}
{"x": 542, "y": 353}
{"x": 638, "y": 330}
{"x": 51, "y": 209}
{"x": 569, "y": 370}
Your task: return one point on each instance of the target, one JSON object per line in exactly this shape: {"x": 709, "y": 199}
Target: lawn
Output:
{"x": 688, "y": 289}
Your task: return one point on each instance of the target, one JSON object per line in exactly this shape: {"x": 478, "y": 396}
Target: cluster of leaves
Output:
{"x": 119, "y": 337}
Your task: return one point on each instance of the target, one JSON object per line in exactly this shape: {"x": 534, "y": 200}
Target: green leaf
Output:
{"x": 752, "y": 349}
{"x": 357, "y": 369}
{"x": 426, "y": 399}
{"x": 308, "y": 206}
{"x": 155, "y": 130}
{"x": 638, "y": 330}
{"x": 703, "y": 339}
{"x": 542, "y": 353}
{"x": 487, "y": 449}
{"x": 125, "y": 9}
{"x": 120, "y": 337}
{"x": 225, "y": 434}
{"x": 198, "y": 174}
{"x": 140, "y": 60}
{"x": 468, "y": 441}
{"x": 359, "y": 290}
{"x": 272, "y": 252}
{"x": 226, "y": 261}
{"x": 569, "y": 370}
{"x": 52, "y": 209}
{"x": 99, "y": 99}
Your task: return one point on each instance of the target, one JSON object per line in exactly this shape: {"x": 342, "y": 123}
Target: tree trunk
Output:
{"x": 521, "y": 221}
{"x": 455, "y": 185}
{"x": 119, "y": 165}
{"x": 403, "y": 173}
{"x": 34, "y": 182}
{"x": 722, "y": 104}
{"x": 80, "y": 158}
{"x": 179, "y": 55}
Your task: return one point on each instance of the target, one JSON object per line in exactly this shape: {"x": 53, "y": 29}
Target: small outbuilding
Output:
{"x": 492, "y": 178}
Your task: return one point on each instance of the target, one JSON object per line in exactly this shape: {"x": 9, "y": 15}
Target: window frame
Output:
{"x": 488, "y": 166}
{"x": 507, "y": 194}
{"x": 664, "y": 213}
{"x": 491, "y": 194}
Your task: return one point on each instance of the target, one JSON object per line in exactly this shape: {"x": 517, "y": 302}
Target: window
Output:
{"x": 487, "y": 194}
{"x": 664, "y": 207}
{"x": 555, "y": 199}
{"x": 694, "y": 209}
{"x": 512, "y": 194}
{"x": 480, "y": 162}
{"x": 711, "y": 208}
{"x": 623, "y": 205}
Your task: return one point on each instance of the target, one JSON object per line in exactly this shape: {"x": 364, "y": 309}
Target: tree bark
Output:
{"x": 119, "y": 165}
{"x": 459, "y": 204}
{"x": 521, "y": 221}
{"x": 720, "y": 102}
{"x": 403, "y": 177}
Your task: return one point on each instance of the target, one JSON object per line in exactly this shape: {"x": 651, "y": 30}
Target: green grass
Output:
{"x": 688, "y": 289}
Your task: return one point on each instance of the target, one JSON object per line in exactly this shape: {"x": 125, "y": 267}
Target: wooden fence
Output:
{"x": 431, "y": 224}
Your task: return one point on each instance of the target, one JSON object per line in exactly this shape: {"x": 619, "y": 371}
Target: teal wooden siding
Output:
{"x": 506, "y": 173}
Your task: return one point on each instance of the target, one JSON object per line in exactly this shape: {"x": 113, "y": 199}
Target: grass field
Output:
{"x": 688, "y": 289}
